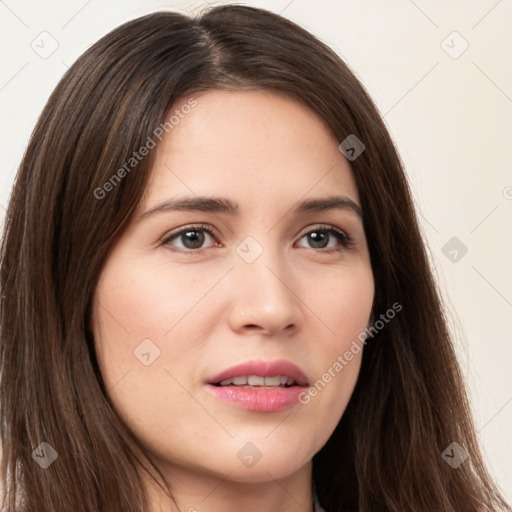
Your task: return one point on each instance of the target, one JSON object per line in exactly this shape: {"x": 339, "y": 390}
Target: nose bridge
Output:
{"x": 258, "y": 260}
{"x": 263, "y": 294}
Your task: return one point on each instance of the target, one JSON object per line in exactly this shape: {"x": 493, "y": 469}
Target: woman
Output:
{"x": 215, "y": 292}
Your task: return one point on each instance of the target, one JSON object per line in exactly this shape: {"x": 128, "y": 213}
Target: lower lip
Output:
{"x": 258, "y": 399}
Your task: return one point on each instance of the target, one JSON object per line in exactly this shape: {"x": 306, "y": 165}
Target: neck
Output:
{"x": 197, "y": 492}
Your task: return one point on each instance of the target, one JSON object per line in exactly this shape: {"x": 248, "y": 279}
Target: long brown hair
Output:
{"x": 409, "y": 403}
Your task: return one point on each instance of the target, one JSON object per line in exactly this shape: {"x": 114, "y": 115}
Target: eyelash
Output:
{"x": 345, "y": 241}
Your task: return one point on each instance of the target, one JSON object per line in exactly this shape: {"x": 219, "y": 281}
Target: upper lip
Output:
{"x": 262, "y": 369}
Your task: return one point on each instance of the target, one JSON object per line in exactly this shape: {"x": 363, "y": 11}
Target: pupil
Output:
{"x": 195, "y": 240}
{"x": 318, "y": 238}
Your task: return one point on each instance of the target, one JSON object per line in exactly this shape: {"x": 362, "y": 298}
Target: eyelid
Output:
{"x": 346, "y": 240}
{"x": 192, "y": 227}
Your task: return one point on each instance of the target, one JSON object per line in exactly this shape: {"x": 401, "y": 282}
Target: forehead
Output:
{"x": 250, "y": 144}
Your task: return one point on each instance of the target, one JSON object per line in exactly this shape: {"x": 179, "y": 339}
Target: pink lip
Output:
{"x": 263, "y": 369}
{"x": 260, "y": 399}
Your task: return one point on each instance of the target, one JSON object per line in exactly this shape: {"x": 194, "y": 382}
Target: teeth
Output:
{"x": 256, "y": 380}
{"x": 273, "y": 381}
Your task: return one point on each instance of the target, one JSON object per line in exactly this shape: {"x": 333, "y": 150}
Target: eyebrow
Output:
{"x": 223, "y": 205}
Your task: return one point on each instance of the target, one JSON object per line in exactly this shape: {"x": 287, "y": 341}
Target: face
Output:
{"x": 281, "y": 286}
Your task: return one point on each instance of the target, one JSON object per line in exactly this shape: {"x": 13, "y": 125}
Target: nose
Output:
{"x": 264, "y": 296}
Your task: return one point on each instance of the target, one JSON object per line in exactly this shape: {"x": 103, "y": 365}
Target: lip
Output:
{"x": 263, "y": 369}
{"x": 260, "y": 399}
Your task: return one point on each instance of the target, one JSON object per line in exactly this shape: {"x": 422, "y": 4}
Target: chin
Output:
{"x": 264, "y": 472}
{"x": 260, "y": 460}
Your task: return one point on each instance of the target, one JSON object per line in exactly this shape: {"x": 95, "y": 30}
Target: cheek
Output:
{"x": 344, "y": 307}
{"x": 155, "y": 297}
{"x": 134, "y": 303}
{"x": 137, "y": 349}
{"x": 343, "y": 304}
{"x": 148, "y": 332}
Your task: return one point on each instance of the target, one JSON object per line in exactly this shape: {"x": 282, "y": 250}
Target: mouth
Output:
{"x": 260, "y": 386}
{"x": 257, "y": 381}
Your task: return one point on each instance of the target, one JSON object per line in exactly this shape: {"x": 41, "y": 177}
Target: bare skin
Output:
{"x": 206, "y": 308}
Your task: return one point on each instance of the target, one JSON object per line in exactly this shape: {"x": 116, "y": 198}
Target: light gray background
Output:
{"x": 449, "y": 112}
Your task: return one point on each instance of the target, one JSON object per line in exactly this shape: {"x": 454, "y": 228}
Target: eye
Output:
{"x": 192, "y": 238}
{"x": 320, "y": 237}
